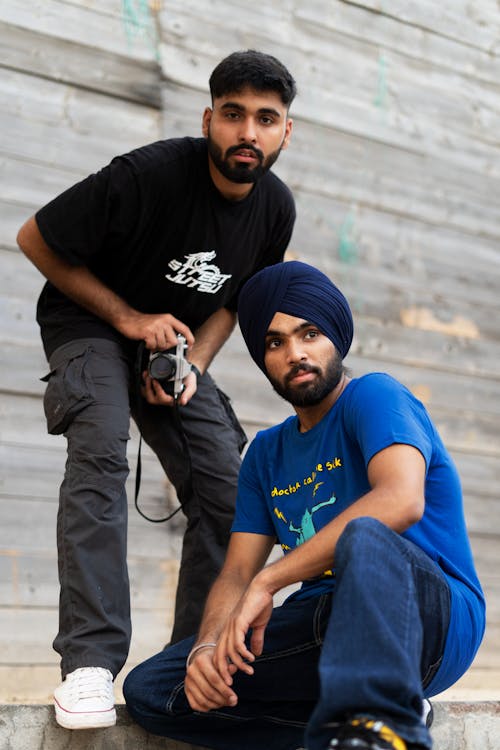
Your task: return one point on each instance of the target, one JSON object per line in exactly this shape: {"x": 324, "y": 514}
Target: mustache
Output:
{"x": 247, "y": 147}
{"x": 301, "y": 367}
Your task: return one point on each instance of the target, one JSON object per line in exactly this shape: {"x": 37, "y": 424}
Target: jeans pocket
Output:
{"x": 69, "y": 390}
{"x": 233, "y": 419}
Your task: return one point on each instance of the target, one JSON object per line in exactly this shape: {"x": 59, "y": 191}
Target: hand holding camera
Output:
{"x": 170, "y": 367}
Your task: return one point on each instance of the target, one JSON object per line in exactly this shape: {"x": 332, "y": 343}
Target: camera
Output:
{"x": 170, "y": 367}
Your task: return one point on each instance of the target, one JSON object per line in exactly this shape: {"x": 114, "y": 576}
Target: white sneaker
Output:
{"x": 427, "y": 713}
{"x": 85, "y": 699}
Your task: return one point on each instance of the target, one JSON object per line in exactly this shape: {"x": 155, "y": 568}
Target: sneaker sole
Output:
{"x": 92, "y": 720}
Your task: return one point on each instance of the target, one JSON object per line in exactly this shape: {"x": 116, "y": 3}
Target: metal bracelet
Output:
{"x": 197, "y": 648}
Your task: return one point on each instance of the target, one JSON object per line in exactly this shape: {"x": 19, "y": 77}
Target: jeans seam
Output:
{"x": 172, "y": 697}
{"x": 287, "y": 652}
{"x": 317, "y": 618}
{"x": 265, "y": 717}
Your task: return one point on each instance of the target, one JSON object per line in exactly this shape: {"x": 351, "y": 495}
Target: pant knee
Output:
{"x": 361, "y": 535}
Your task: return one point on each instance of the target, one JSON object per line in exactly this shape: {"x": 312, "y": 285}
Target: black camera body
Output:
{"x": 170, "y": 367}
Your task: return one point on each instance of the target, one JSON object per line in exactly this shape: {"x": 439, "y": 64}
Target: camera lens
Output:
{"x": 162, "y": 366}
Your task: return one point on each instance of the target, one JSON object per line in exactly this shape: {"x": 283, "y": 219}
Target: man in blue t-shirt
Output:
{"x": 366, "y": 504}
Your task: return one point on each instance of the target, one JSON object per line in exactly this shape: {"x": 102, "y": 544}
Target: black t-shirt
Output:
{"x": 154, "y": 228}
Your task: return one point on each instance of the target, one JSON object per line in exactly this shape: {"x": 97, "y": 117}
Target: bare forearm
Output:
{"x": 158, "y": 331}
{"x": 76, "y": 282}
{"x": 223, "y": 597}
{"x": 211, "y": 336}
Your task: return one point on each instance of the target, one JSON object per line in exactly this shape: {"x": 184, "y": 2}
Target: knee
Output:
{"x": 131, "y": 686}
{"x": 360, "y": 535}
{"x": 134, "y": 690}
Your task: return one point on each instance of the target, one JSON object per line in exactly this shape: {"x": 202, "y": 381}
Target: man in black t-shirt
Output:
{"x": 156, "y": 244}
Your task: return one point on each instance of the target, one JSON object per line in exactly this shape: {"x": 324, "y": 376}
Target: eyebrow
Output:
{"x": 300, "y": 327}
{"x": 242, "y": 108}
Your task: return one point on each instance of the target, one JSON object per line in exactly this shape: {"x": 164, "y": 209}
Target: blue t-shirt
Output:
{"x": 292, "y": 484}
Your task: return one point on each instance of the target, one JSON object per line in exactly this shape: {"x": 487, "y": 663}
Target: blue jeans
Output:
{"x": 370, "y": 647}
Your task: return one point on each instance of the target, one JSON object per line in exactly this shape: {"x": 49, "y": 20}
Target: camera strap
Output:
{"x": 138, "y": 368}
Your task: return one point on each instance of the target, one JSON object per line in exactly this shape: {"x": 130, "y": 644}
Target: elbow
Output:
{"x": 24, "y": 235}
{"x": 413, "y": 510}
{"x": 20, "y": 238}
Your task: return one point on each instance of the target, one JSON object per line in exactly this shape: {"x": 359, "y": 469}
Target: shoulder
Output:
{"x": 276, "y": 190}
{"x": 376, "y": 396}
{"x": 266, "y": 440}
{"x": 154, "y": 157}
{"x": 374, "y": 384}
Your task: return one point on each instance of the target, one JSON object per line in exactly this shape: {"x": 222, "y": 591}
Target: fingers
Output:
{"x": 232, "y": 654}
{"x": 154, "y": 393}
{"x": 160, "y": 332}
{"x": 204, "y": 687}
{"x": 191, "y": 384}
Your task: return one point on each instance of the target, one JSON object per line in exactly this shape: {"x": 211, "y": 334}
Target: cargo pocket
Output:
{"x": 233, "y": 419}
{"x": 69, "y": 390}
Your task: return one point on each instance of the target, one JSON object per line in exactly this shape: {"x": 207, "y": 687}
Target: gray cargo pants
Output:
{"x": 89, "y": 398}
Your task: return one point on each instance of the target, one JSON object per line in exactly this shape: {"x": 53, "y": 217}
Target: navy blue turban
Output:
{"x": 297, "y": 289}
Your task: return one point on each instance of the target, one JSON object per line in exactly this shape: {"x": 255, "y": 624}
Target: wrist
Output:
{"x": 195, "y": 369}
{"x": 199, "y": 647}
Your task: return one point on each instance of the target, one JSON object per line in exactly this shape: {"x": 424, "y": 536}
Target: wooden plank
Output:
{"x": 84, "y": 25}
{"x": 344, "y": 238}
{"x": 420, "y": 42}
{"x": 477, "y": 25}
{"x": 86, "y": 66}
{"x": 65, "y": 127}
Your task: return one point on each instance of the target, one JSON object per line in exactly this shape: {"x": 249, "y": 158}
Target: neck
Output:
{"x": 309, "y": 416}
{"x": 232, "y": 191}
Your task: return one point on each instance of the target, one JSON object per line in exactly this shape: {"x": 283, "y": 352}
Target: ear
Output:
{"x": 207, "y": 116}
{"x": 288, "y": 133}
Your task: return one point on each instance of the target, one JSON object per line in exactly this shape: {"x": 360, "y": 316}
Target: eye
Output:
{"x": 312, "y": 334}
{"x": 267, "y": 120}
{"x": 232, "y": 115}
{"x": 273, "y": 343}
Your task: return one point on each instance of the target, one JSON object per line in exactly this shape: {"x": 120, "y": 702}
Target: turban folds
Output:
{"x": 297, "y": 289}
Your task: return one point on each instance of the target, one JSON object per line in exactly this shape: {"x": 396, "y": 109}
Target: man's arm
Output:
{"x": 204, "y": 686}
{"x": 158, "y": 331}
{"x": 211, "y": 336}
{"x": 396, "y": 475}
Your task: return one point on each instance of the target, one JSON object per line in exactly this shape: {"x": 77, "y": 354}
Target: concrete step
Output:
{"x": 457, "y": 726}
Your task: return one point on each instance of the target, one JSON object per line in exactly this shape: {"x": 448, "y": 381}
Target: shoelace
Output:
{"x": 377, "y": 735}
{"x": 91, "y": 683}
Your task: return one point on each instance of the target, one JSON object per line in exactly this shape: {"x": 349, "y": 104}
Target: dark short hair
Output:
{"x": 255, "y": 70}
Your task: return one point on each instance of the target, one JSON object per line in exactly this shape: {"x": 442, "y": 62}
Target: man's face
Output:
{"x": 246, "y": 132}
{"x": 301, "y": 362}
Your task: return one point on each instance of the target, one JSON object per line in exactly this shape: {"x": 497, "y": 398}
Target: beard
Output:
{"x": 241, "y": 173}
{"x": 311, "y": 393}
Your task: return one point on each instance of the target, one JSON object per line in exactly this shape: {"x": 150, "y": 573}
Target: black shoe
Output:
{"x": 364, "y": 733}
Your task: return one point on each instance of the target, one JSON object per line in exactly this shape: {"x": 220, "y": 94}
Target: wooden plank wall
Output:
{"x": 395, "y": 168}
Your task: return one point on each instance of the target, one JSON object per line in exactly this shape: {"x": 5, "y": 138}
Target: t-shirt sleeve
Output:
{"x": 252, "y": 513}
{"x": 80, "y": 222}
{"x": 383, "y": 412}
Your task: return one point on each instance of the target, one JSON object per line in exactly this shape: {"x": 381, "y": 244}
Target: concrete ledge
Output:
{"x": 457, "y": 726}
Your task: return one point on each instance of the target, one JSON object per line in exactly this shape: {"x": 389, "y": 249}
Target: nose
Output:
{"x": 248, "y": 131}
{"x": 295, "y": 351}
